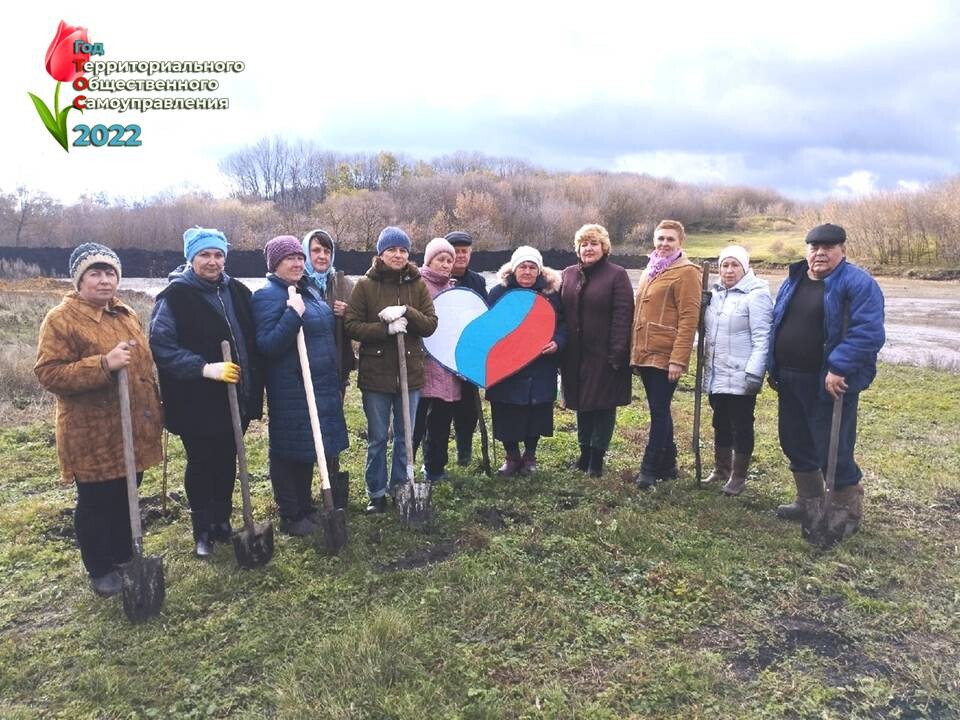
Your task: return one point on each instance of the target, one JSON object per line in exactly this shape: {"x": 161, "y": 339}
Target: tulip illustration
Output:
{"x": 61, "y": 62}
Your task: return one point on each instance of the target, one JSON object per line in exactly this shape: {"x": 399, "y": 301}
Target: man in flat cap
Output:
{"x": 465, "y": 413}
{"x": 827, "y": 331}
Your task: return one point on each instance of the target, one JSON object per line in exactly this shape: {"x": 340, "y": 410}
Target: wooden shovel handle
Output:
{"x": 129, "y": 461}
{"x": 405, "y": 402}
{"x": 238, "y": 441}
{"x": 312, "y": 411}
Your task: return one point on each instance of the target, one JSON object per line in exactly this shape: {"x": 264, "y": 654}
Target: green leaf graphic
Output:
{"x": 49, "y": 122}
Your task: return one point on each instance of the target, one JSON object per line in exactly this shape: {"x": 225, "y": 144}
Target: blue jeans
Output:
{"x": 659, "y": 391}
{"x": 377, "y": 407}
{"x": 804, "y": 426}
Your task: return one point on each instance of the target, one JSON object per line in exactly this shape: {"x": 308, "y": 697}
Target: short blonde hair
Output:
{"x": 672, "y": 225}
{"x": 592, "y": 231}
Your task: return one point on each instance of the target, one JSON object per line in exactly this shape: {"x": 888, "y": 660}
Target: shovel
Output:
{"x": 484, "y": 440}
{"x": 333, "y": 519}
{"x": 697, "y": 388}
{"x": 143, "y": 586}
{"x": 413, "y": 497}
{"x": 253, "y": 545}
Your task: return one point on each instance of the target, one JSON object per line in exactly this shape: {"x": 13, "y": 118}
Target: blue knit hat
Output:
{"x": 392, "y": 237}
{"x": 91, "y": 253}
{"x": 197, "y": 238}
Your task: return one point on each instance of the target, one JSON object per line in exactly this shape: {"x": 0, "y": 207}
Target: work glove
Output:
{"x": 754, "y": 384}
{"x": 397, "y": 326}
{"x": 227, "y": 372}
{"x": 392, "y": 312}
{"x": 296, "y": 302}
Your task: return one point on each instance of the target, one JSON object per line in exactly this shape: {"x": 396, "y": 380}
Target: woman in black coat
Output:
{"x": 595, "y": 370}
{"x": 522, "y": 404}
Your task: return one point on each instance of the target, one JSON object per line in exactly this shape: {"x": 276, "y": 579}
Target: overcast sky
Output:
{"x": 815, "y": 98}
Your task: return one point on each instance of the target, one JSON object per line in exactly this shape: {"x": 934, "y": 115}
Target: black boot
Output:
{"x": 583, "y": 462}
{"x": 647, "y": 477}
{"x": 596, "y": 462}
{"x": 667, "y": 462}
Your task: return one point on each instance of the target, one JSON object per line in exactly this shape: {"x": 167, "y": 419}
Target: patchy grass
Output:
{"x": 780, "y": 246}
{"x": 555, "y": 596}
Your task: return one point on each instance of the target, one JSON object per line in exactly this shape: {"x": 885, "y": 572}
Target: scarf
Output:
{"x": 658, "y": 264}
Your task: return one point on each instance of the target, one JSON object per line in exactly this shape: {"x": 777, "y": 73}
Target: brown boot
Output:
{"x": 850, "y": 498}
{"x": 738, "y": 476}
{"x": 809, "y": 493}
{"x": 722, "y": 458}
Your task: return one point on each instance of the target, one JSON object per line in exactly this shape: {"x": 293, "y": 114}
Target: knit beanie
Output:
{"x": 279, "y": 248}
{"x": 736, "y": 252}
{"x": 435, "y": 247}
{"x": 459, "y": 237}
{"x": 392, "y": 237}
{"x": 525, "y": 253}
{"x": 87, "y": 254}
{"x": 197, "y": 238}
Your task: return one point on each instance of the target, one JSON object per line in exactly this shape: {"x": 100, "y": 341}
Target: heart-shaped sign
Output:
{"x": 485, "y": 345}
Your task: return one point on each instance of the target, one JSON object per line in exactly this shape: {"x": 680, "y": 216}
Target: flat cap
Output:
{"x": 827, "y": 234}
{"x": 459, "y": 237}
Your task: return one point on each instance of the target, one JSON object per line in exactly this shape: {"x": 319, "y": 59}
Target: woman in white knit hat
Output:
{"x": 522, "y": 404}
{"x": 737, "y": 332}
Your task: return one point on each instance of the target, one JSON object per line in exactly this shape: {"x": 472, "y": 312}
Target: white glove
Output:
{"x": 392, "y": 312}
{"x": 227, "y": 372}
{"x": 296, "y": 302}
{"x": 397, "y": 326}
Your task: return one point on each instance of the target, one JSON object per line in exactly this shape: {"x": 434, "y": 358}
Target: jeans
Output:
{"x": 595, "y": 428}
{"x": 733, "y": 421}
{"x": 659, "y": 391}
{"x": 102, "y": 524}
{"x": 209, "y": 478}
{"x": 292, "y": 487}
{"x": 804, "y": 426}
{"x": 377, "y": 407}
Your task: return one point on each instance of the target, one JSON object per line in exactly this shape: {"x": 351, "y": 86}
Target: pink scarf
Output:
{"x": 658, "y": 264}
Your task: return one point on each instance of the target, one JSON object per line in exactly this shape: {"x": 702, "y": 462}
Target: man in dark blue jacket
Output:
{"x": 827, "y": 332}
{"x": 465, "y": 414}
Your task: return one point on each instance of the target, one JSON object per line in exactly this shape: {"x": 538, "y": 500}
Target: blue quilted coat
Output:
{"x": 276, "y": 327}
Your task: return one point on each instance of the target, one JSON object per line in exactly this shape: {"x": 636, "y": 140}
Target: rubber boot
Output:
{"x": 850, "y": 498}
{"x": 738, "y": 475}
{"x": 511, "y": 466}
{"x": 583, "y": 462}
{"x": 722, "y": 459}
{"x": 596, "y": 462}
{"x": 809, "y": 493}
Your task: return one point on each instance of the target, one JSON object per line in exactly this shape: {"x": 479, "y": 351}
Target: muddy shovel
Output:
{"x": 698, "y": 386}
{"x": 253, "y": 545}
{"x": 143, "y": 587}
{"x": 413, "y": 497}
{"x": 333, "y": 519}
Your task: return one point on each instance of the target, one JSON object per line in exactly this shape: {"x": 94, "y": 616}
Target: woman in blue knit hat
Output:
{"x": 201, "y": 307}
{"x": 390, "y": 298}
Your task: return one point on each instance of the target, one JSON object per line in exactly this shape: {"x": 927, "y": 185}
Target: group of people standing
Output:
{"x": 819, "y": 341}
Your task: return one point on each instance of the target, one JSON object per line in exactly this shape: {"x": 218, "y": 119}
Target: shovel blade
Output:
{"x": 143, "y": 587}
{"x": 413, "y": 504}
{"x": 340, "y": 487}
{"x": 825, "y": 527}
{"x": 334, "y": 530}
{"x": 253, "y": 547}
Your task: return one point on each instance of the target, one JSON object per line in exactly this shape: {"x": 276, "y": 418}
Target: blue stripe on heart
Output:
{"x": 479, "y": 337}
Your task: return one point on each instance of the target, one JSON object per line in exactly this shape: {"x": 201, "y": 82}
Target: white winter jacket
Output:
{"x": 737, "y": 333}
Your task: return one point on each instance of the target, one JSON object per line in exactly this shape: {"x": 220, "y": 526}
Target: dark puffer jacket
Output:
{"x": 276, "y": 327}
{"x": 381, "y": 287}
{"x": 537, "y": 382}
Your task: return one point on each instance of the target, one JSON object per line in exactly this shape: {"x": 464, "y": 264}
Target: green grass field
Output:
{"x": 764, "y": 246}
{"x": 555, "y": 596}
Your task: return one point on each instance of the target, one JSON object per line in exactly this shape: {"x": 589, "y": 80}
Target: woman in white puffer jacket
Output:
{"x": 737, "y": 333}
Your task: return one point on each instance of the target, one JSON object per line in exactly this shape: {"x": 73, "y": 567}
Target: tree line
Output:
{"x": 281, "y": 187}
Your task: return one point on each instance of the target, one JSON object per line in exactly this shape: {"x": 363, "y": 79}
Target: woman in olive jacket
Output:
{"x": 595, "y": 368}
{"x": 390, "y": 298}
{"x": 664, "y": 325}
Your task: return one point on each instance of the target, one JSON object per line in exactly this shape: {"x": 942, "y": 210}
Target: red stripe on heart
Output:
{"x": 523, "y": 345}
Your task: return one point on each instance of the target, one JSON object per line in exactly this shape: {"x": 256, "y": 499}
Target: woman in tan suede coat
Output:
{"x": 667, "y": 309}
{"x": 83, "y": 342}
